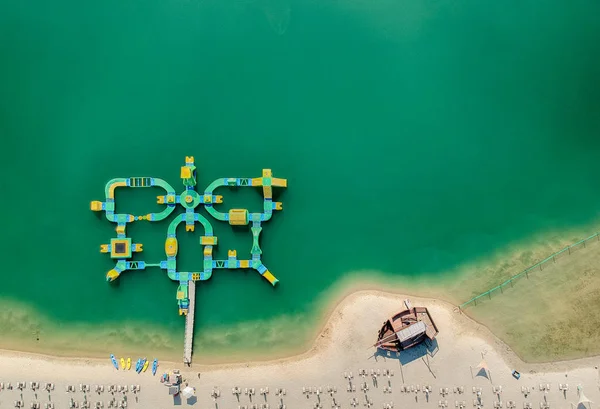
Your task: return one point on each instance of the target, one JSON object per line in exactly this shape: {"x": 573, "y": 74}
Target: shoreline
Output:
{"x": 344, "y": 346}
{"x": 443, "y": 287}
{"x": 323, "y": 340}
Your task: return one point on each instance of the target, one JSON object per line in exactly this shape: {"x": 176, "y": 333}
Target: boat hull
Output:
{"x": 406, "y": 329}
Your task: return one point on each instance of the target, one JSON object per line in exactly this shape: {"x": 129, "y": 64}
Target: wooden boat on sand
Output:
{"x": 406, "y": 329}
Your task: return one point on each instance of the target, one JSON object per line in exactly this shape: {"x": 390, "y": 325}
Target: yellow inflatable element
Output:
{"x": 111, "y": 189}
{"x": 112, "y": 275}
{"x": 270, "y": 277}
{"x": 171, "y": 246}
{"x": 186, "y": 172}
{"x": 238, "y": 217}
{"x": 208, "y": 240}
{"x": 96, "y": 206}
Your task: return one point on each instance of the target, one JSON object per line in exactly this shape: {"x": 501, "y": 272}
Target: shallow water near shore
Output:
{"x": 415, "y": 137}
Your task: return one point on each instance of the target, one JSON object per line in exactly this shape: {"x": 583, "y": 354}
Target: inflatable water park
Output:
{"x": 121, "y": 248}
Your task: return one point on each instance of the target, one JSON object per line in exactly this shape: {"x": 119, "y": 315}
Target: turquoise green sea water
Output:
{"x": 416, "y": 135}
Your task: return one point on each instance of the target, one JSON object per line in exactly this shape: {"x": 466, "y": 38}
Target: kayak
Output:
{"x": 114, "y": 361}
{"x": 122, "y": 363}
{"x": 142, "y": 361}
{"x": 138, "y": 365}
{"x": 128, "y": 364}
{"x": 146, "y": 363}
{"x": 154, "y": 366}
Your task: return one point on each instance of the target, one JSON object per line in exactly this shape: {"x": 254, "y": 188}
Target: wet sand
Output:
{"x": 344, "y": 346}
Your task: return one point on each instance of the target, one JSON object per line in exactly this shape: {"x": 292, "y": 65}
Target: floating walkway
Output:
{"x": 189, "y": 324}
{"x": 121, "y": 248}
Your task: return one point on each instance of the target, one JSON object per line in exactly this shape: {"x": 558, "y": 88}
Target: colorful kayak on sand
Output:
{"x": 142, "y": 363}
{"x": 122, "y": 363}
{"x": 114, "y": 361}
{"x": 138, "y": 365}
{"x": 146, "y": 363}
{"x": 154, "y": 366}
{"x": 128, "y": 364}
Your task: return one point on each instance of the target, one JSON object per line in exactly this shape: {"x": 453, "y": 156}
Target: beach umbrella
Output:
{"x": 188, "y": 392}
{"x": 584, "y": 402}
{"x": 483, "y": 370}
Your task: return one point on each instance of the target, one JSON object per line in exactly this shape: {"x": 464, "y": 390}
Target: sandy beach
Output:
{"x": 332, "y": 367}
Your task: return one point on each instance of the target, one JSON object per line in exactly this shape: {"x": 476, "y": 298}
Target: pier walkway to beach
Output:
{"x": 189, "y": 324}
{"x": 121, "y": 248}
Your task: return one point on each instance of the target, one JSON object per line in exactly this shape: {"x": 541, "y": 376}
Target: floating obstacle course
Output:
{"x": 122, "y": 248}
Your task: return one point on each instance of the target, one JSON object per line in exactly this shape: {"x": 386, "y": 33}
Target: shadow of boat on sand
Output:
{"x": 427, "y": 348}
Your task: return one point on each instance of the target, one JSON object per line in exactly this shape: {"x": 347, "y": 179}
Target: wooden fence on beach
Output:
{"x": 538, "y": 266}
